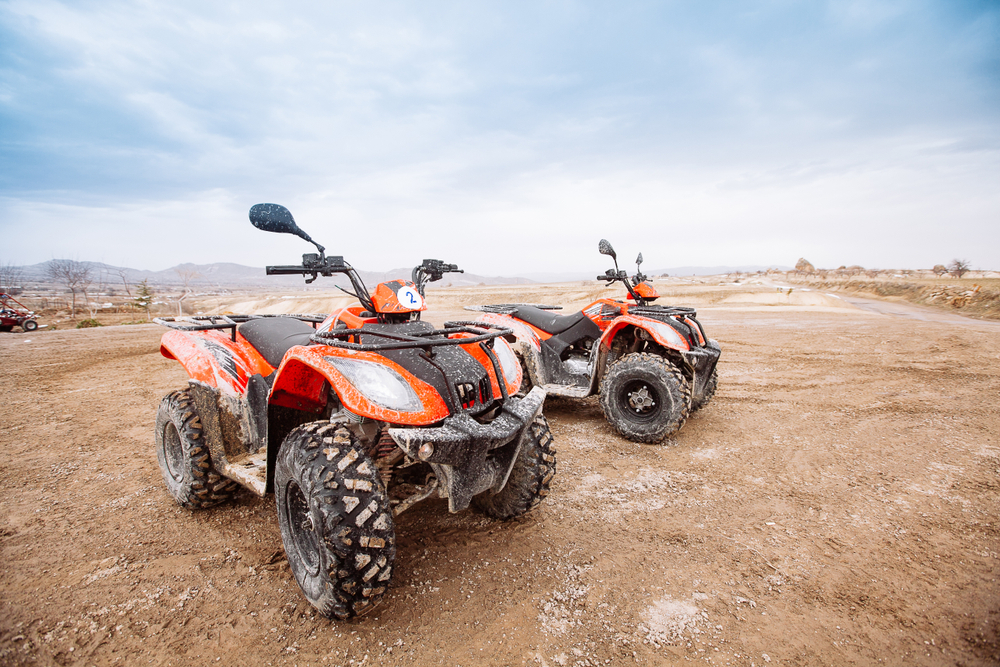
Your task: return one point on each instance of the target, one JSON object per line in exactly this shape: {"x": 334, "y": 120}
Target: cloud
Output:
{"x": 561, "y": 120}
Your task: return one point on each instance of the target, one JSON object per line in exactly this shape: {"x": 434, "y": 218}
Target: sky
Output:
{"x": 508, "y": 137}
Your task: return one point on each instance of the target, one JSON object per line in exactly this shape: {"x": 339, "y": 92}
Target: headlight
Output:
{"x": 380, "y": 384}
{"x": 667, "y": 333}
{"x": 508, "y": 362}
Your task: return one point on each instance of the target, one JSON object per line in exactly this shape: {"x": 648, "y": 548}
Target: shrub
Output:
{"x": 88, "y": 323}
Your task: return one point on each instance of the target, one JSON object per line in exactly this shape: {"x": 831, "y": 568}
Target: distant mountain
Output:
{"x": 712, "y": 270}
{"x": 224, "y": 274}
{"x": 555, "y": 277}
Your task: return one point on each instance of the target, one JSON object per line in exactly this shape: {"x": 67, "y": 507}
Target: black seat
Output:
{"x": 274, "y": 336}
{"x": 546, "y": 320}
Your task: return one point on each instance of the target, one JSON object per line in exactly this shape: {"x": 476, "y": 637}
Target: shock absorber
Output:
{"x": 386, "y": 456}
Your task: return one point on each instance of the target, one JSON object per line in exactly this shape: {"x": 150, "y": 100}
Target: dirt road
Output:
{"x": 836, "y": 503}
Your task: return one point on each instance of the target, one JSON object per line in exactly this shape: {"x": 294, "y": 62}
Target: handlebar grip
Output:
{"x": 604, "y": 277}
{"x": 289, "y": 270}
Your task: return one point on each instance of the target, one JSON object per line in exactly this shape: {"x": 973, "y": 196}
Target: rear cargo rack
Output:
{"x": 480, "y": 332}
{"x": 509, "y": 308}
{"x": 209, "y": 322}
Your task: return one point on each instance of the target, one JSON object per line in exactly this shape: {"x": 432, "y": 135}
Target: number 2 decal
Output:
{"x": 409, "y": 298}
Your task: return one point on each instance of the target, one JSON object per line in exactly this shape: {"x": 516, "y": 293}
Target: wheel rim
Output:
{"x": 173, "y": 452}
{"x": 298, "y": 518}
{"x": 640, "y": 400}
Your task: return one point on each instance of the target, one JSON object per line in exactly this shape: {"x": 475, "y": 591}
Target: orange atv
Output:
{"x": 349, "y": 419}
{"x": 651, "y": 364}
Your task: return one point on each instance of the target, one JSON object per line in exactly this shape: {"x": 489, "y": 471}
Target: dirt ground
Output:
{"x": 836, "y": 504}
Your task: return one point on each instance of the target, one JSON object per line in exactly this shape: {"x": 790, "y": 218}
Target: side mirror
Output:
{"x": 605, "y": 249}
{"x": 277, "y": 218}
{"x": 638, "y": 260}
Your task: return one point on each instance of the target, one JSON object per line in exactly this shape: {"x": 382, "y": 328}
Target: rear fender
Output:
{"x": 213, "y": 359}
{"x": 304, "y": 376}
{"x": 527, "y": 343}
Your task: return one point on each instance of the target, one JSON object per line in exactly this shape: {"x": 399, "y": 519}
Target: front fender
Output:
{"x": 304, "y": 374}
{"x": 661, "y": 333}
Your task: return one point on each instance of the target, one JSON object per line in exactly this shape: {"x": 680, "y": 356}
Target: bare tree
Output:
{"x": 123, "y": 274}
{"x": 10, "y": 278}
{"x": 959, "y": 267}
{"x": 187, "y": 276}
{"x": 74, "y": 275}
{"x": 940, "y": 269}
{"x": 102, "y": 285}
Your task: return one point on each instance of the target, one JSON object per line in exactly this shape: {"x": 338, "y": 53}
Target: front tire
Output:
{"x": 29, "y": 325}
{"x": 529, "y": 479}
{"x": 645, "y": 398}
{"x": 183, "y": 455}
{"x": 335, "y": 518}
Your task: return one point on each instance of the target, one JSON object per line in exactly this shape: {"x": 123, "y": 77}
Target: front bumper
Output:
{"x": 468, "y": 457}
{"x": 703, "y": 361}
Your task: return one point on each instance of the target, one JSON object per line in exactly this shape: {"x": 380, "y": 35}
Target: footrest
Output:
{"x": 249, "y": 471}
{"x": 563, "y": 390}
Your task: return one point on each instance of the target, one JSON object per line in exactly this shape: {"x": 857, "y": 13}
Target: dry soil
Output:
{"x": 835, "y": 504}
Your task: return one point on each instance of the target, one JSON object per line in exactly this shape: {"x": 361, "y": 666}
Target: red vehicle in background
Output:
{"x": 651, "y": 364}
{"x": 13, "y": 313}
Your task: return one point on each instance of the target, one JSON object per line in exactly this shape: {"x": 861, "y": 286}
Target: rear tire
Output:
{"x": 336, "y": 521}
{"x": 526, "y": 384}
{"x": 529, "y": 480}
{"x": 645, "y": 397}
{"x": 29, "y": 325}
{"x": 183, "y": 455}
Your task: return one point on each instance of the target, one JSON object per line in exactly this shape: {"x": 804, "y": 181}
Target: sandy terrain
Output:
{"x": 836, "y": 504}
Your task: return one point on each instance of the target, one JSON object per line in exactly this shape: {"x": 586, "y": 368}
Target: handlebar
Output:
{"x": 611, "y": 275}
{"x": 431, "y": 270}
{"x": 312, "y": 264}
{"x": 433, "y": 266}
{"x": 315, "y": 265}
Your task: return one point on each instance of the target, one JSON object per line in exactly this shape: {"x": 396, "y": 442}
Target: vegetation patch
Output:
{"x": 976, "y": 299}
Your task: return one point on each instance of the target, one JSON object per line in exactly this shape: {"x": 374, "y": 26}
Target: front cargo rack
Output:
{"x": 209, "y": 322}
{"x": 668, "y": 315}
{"x": 657, "y": 312}
{"x": 480, "y": 332}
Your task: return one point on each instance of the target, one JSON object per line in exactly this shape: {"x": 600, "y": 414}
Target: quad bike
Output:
{"x": 651, "y": 364}
{"x": 349, "y": 419}
{"x": 14, "y": 313}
